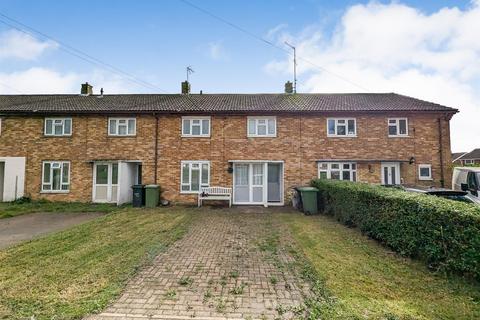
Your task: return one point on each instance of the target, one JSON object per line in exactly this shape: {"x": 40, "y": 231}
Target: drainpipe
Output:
{"x": 155, "y": 165}
{"x": 440, "y": 142}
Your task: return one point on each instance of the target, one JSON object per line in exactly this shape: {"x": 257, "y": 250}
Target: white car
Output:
{"x": 467, "y": 179}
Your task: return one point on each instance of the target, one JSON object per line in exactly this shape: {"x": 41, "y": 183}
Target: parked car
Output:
{"x": 467, "y": 179}
{"x": 455, "y": 195}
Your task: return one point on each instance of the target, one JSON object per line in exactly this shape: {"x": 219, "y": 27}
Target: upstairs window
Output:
{"x": 194, "y": 175}
{"x": 196, "y": 126}
{"x": 397, "y": 127}
{"x": 337, "y": 170}
{"x": 425, "y": 172}
{"x": 121, "y": 126}
{"x": 262, "y": 127}
{"x": 56, "y": 176}
{"x": 341, "y": 127}
{"x": 58, "y": 127}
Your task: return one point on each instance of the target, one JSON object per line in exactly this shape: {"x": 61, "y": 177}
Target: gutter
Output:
{"x": 449, "y": 113}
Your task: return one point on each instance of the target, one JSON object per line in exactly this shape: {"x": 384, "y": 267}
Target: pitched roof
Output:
{"x": 457, "y": 155}
{"x": 216, "y": 103}
{"x": 474, "y": 154}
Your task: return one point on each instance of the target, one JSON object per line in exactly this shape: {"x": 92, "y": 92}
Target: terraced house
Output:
{"x": 90, "y": 147}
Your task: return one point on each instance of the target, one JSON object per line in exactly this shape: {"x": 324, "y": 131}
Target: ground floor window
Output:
{"x": 194, "y": 175}
{"x": 337, "y": 170}
{"x": 56, "y": 176}
{"x": 425, "y": 171}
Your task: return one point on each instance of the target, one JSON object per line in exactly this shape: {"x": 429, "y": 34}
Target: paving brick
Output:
{"x": 214, "y": 275}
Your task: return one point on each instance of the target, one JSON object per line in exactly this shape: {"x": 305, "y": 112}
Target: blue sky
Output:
{"x": 156, "y": 40}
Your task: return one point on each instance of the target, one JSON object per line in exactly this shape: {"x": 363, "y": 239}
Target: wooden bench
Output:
{"x": 215, "y": 193}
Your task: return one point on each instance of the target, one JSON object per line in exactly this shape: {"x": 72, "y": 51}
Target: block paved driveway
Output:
{"x": 226, "y": 267}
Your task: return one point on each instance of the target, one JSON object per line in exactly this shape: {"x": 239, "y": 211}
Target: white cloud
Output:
{"x": 38, "y": 80}
{"x": 19, "y": 45}
{"x": 216, "y": 51}
{"x": 395, "y": 47}
{"x": 275, "y": 30}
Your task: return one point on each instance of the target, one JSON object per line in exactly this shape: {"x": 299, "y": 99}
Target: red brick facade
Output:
{"x": 301, "y": 140}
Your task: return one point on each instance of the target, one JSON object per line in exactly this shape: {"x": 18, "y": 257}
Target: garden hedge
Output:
{"x": 442, "y": 232}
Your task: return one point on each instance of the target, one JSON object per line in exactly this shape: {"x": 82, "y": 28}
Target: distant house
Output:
{"x": 85, "y": 147}
{"x": 470, "y": 158}
{"x": 456, "y": 157}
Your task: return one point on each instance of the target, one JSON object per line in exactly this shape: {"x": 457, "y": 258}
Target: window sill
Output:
{"x": 270, "y": 136}
{"x": 425, "y": 179}
{"x": 337, "y": 136}
{"x": 55, "y": 192}
{"x": 57, "y": 136}
{"x": 122, "y": 136}
{"x": 189, "y": 192}
{"x": 399, "y": 136}
{"x": 191, "y": 136}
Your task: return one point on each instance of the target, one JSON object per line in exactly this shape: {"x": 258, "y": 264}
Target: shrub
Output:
{"x": 22, "y": 200}
{"x": 442, "y": 232}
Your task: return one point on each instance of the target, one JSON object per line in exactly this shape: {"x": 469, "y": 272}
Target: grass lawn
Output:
{"x": 374, "y": 283}
{"x": 10, "y": 209}
{"x": 78, "y": 271}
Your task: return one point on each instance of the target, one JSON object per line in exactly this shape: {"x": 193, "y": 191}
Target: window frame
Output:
{"x": 423, "y": 166}
{"x": 53, "y": 119}
{"x": 397, "y": 126}
{"x": 117, "y": 119}
{"x": 201, "y": 119}
{"x": 62, "y": 163}
{"x": 201, "y": 185}
{"x": 469, "y": 161}
{"x": 353, "y": 177}
{"x": 346, "y": 135}
{"x": 256, "y": 119}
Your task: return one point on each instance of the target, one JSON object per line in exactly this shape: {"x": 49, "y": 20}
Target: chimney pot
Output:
{"x": 288, "y": 87}
{"x": 185, "y": 87}
{"x": 86, "y": 89}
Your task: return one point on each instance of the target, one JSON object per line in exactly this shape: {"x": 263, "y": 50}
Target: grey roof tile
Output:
{"x": 474, "y": 154}
{"x": 215, "y": 103}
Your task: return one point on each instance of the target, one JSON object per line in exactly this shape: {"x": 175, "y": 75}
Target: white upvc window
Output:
{"x": 341, "y": 127}
{"x": 425, "y": 172}
{"x": 194, "y": 175}
{"x": 469, "y": 161}
{"x": 56, "y": 176}
{"x": 261, "y": 126}
{"x": 337, "y": 170}
{"x": 58, "y": 127}
{"x": 397, "y": 127}
{"x": 122, "y": 126}
{"x": 195, "y": 126}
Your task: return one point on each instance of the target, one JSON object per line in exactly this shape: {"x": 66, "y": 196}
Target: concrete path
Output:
{"x": 226, "y": 267}
{"x": 26, "y": 227}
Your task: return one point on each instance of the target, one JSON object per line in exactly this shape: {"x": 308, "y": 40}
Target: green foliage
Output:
{"x": 444, "y": 233}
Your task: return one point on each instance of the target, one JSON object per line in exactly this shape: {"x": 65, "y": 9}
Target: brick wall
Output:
{"x": 300, "y": 141}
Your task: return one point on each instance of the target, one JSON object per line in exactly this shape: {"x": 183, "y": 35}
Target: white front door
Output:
{"x": 248, "y": 183}
{"x": 105, "y": 182}
{"x": 258, "y": 183}
{"x": 390, "y": 173}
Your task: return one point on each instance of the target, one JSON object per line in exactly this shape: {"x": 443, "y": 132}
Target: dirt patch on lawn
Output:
{"x": 26, "y": 227}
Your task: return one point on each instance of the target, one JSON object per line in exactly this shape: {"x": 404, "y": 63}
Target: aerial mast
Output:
{"x": 294, "y": 66}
